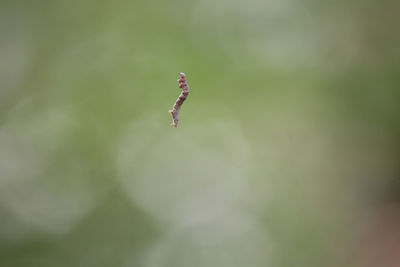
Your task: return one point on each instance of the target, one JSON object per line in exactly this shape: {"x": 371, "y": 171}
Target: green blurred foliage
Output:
{"x": 288, "y": 141}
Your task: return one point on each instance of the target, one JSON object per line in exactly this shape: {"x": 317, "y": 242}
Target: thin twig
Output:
{"x": 178, "y": 103}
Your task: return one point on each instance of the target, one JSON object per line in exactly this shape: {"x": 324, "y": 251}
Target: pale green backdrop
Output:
{"x": 287, "y": 143}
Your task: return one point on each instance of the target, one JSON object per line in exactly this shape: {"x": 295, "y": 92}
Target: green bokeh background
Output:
{"x": 288, "y": 142}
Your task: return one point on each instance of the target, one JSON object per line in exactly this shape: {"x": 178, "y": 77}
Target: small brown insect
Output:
{"x": 182, "y": 97}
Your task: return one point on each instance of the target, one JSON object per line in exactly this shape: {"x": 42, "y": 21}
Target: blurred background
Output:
{"x": 286, "y": 154}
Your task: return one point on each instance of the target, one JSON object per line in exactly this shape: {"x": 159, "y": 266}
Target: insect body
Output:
{"x": 182, "y": 97}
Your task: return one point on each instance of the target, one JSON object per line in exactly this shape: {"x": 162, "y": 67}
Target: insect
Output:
{"x": 182, "y": 97}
